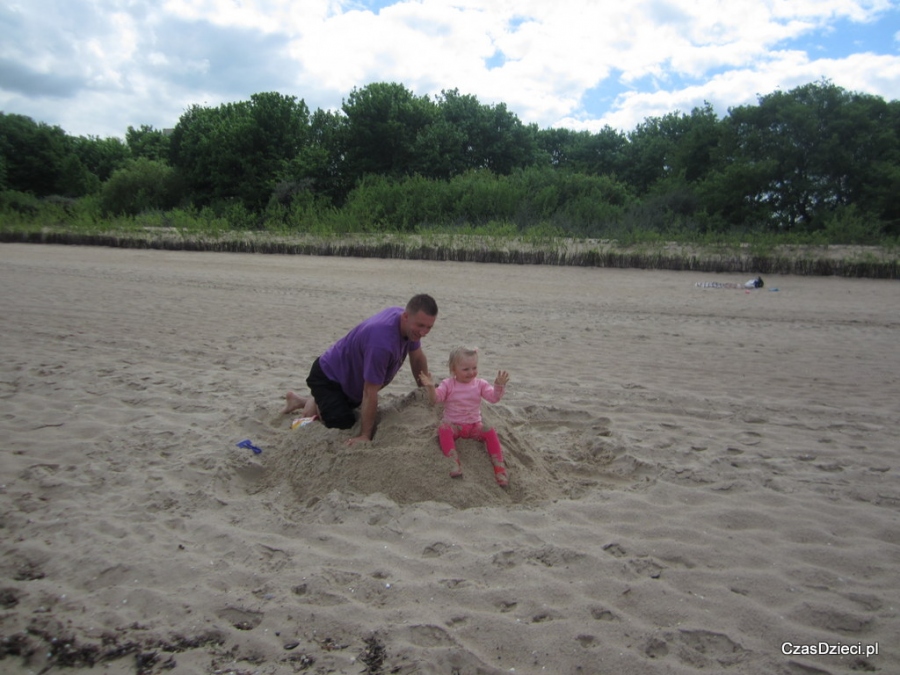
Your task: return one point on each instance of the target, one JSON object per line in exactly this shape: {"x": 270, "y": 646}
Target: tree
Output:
{"x": 674, "y": 145}
{"x": 467, "y": 135}
{"x": 33, "y": 154}
{"x": 148, "y": 142}
{"x": 872, "y": 177}
{"x": 197, "y": 149}
{"x": 75, "y": 179}
{"x": 319, "y": 165}
{"x": 554, "y": 146}
{"x": 100, "y": 156}
{"x": 600, "y": 154}
{"x": 383, "y": 121}
{"x": 441, "y": 150}
{"x": 815, "y": 149}
{"x": 235, "y": 152}
{"x": 507, "y": 143}
{"x": 455, "y": 141}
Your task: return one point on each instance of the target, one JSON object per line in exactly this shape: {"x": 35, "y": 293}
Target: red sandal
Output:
{"x": 500, "y": 475}
{"x": 455, "y": 466}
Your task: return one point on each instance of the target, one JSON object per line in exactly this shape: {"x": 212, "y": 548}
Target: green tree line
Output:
{"x": 815, "y": 159}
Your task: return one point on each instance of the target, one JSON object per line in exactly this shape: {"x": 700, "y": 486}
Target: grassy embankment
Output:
{"x": 761, "y": 255}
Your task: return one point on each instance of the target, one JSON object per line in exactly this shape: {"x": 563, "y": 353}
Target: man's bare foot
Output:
{"x": 293, "y": 402}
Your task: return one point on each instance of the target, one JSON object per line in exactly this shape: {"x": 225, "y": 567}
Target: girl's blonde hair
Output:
{"x": 460, "y": 353}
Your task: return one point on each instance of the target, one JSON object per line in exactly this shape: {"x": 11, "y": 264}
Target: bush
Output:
{"x": 849, "y": 225}
{"x": 142, "y": 185}
{"x": 22, "y": 203}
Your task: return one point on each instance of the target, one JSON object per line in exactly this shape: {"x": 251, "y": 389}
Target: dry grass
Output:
{"x": 847, "y": 261}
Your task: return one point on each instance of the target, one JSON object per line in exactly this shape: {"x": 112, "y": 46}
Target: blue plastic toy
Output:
{"x": 247, "y": 444}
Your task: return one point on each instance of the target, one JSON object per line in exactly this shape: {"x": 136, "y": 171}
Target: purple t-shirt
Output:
{"x": 372, "y": 352}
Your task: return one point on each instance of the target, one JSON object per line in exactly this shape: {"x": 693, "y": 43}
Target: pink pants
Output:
{"x": 448, "y": 433}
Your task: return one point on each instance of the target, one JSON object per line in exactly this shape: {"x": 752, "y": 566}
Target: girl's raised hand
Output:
{"x": 425, "y": 379}
{"x": 502, "y": 378}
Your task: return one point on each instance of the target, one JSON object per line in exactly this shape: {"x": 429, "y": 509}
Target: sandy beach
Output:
{"x": 701, "y": 480}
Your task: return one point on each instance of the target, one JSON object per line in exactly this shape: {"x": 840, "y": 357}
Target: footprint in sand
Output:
{"x": 9, "y": 598}
{"x": 242, "y": 619}
{"x": 435, "y": 550}
{"x": 615, "y": 550}
{"x": 586, "y": 641}
{"x": 603, "y": 614}
{"x": 313, "y": 596}
{"x": 641, "y": 565}
{"x": 697, "y": 648}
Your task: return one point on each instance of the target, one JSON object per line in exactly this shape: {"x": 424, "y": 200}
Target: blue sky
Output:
{"x": 96, "y": 67}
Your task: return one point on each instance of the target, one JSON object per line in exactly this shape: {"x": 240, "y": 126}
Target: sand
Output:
{"x": 700, "y": 479}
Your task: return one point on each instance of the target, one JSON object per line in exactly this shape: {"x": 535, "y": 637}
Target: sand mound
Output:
{"x": 550, "y": 454}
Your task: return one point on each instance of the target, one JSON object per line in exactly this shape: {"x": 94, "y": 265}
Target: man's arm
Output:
{"x": 419, "y": 364}
{"x": 368, "y": 410}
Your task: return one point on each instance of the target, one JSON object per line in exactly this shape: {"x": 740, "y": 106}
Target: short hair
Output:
{"x": 422, "y": 303}
{"x": 459, "y": 353}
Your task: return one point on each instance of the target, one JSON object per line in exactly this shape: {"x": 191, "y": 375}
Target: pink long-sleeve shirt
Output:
{"x": 462, "y": 402}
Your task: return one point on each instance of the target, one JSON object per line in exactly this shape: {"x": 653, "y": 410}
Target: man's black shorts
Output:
{"x": 336, "y": 410}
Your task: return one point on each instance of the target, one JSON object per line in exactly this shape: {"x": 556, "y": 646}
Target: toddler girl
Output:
{"x": 461, "y": 396}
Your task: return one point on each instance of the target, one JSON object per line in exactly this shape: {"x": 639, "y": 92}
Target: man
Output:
{"x": 353, "y": 370}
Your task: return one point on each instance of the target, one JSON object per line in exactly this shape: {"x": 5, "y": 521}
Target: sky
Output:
{"x": 96, "y": 67}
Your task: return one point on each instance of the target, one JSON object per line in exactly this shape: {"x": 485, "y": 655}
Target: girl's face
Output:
{"x": 466, "y": 369}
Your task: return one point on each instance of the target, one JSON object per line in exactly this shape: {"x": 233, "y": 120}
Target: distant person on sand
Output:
{"x": 748, "y": 285}
{"x": 353, "y": 370}
{"x": 461, "y": 396}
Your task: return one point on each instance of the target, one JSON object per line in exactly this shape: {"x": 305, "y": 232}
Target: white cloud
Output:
{"x": 878, "y": 75}
{"x": 423, "y": 48}
{"x": 132, "y": 63}
{"x": 269, "y": 16}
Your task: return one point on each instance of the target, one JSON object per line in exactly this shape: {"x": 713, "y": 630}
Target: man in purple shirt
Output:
{"x": 351, "y": 372}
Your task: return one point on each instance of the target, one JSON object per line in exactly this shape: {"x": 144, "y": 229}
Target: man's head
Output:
{"x": 418, "y": 317}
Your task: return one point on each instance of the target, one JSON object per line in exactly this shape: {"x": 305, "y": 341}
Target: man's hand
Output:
{"x": 368, "y": 411}
{"x": 428, "y": 382}
{"x": 419, "y": 364}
